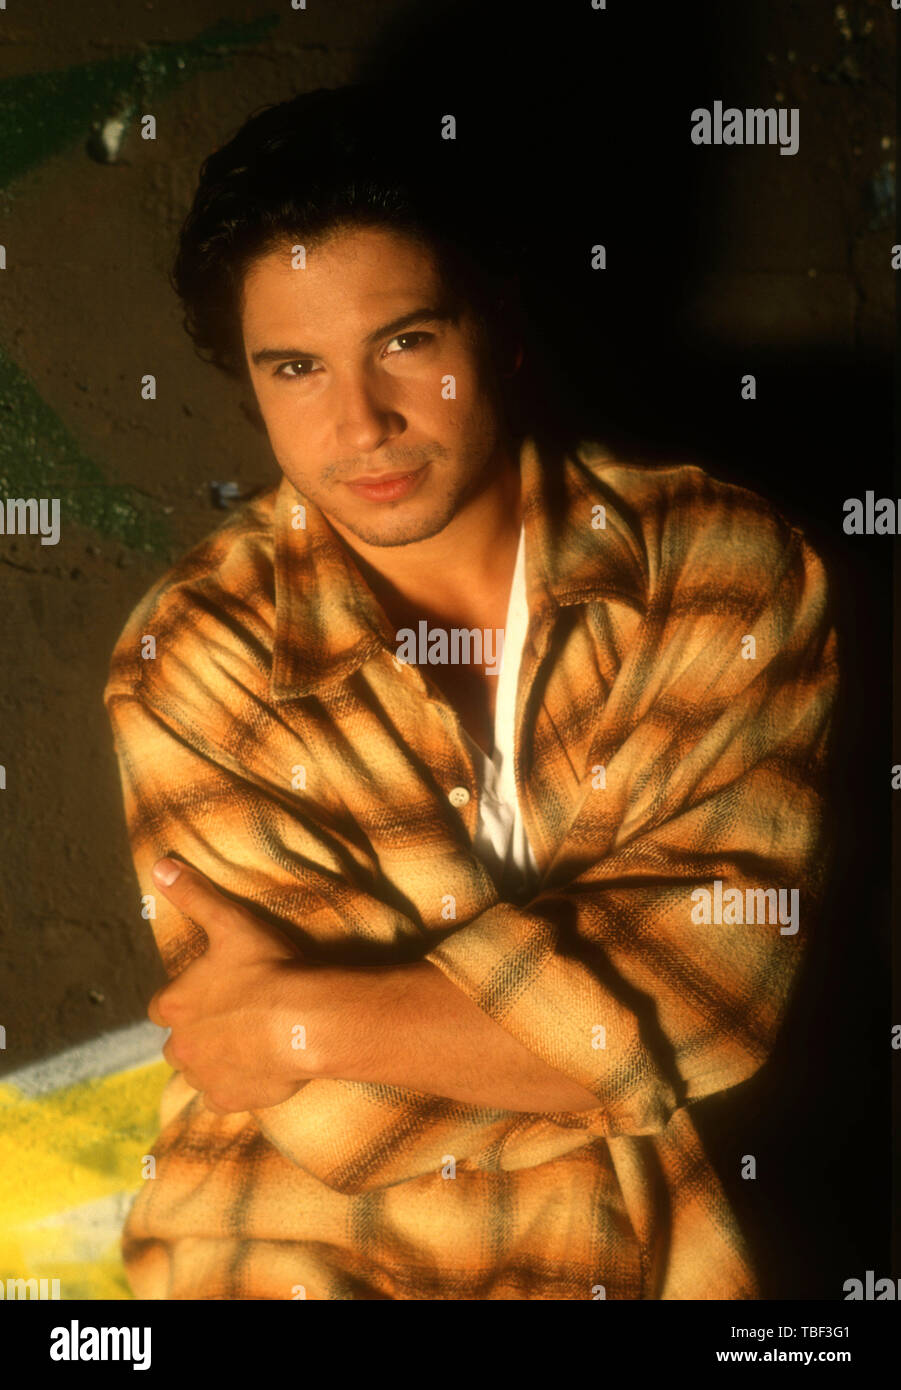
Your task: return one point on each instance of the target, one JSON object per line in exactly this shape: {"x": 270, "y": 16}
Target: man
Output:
{"x": 453, "y": 944}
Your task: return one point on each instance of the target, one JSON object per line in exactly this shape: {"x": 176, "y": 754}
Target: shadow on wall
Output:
{"x": 721, "y": 263}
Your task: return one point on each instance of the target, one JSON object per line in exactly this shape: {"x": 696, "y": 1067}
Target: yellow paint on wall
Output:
{"x": 61, "y": 1152}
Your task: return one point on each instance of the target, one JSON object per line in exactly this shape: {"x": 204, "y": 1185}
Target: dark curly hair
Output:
{"x": 367, "y": 155}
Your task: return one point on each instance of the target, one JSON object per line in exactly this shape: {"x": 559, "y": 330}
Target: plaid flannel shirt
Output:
{"x": 275, "y": 742}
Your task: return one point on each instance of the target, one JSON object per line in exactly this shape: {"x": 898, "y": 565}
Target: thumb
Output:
{"x": 227, "y": 925}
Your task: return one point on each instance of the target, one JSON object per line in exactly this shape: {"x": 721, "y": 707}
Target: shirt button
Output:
{"x": 458, "y": 796}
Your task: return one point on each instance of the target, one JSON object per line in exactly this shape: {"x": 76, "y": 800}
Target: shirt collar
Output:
{"x": 328, "y": 622}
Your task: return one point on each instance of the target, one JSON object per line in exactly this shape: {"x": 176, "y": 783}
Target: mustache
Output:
{"x": 387, "y": 463}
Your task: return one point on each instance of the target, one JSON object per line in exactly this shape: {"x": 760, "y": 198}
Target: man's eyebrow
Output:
{"x": 442, "y": 313}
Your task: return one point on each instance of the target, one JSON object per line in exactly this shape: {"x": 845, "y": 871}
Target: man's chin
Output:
{"x": 397, "y": 530}
{"x": 387, "y": 524}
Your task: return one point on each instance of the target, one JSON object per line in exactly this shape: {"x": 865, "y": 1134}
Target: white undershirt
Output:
{"x": 501, "y": 841}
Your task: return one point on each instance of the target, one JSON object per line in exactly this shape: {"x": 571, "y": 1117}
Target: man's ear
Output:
{"x": 516, "y": 362}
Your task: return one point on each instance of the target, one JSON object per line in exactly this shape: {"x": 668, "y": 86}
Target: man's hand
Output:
{"x": 252, "y": 1022}
{"x": 234, "y": 1011}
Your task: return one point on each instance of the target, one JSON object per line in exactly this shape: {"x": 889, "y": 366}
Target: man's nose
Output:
{"x": 366, "y": 416}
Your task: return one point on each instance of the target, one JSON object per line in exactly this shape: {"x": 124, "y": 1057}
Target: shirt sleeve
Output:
{"x": 714, "y": 742}
{"x": 293, "y": 864}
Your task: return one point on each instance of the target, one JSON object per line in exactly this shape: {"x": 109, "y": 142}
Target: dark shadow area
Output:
{"x": 577, "y": 130}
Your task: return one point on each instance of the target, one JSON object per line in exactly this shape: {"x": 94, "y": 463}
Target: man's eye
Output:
{"x": 280, "y": 370}
{"x": 402, "y": 337}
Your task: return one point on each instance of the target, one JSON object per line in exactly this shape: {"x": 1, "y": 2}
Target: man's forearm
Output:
{"x": 411, "y": 1026}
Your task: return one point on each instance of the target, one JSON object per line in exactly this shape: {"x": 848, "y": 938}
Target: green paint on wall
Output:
{"x": 42, "y": 113}
{"x": 40, "y": 458}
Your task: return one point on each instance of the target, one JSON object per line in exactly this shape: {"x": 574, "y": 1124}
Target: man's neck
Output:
{"x": 463, "y": 572}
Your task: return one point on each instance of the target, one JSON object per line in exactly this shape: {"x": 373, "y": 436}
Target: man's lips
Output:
{"x": 384, "y": 477}
{"x": 388, "y": 487}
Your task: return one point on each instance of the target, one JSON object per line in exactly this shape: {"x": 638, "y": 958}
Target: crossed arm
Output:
{"x": 238, "y": 1012}
{"x": 714, "y": 774}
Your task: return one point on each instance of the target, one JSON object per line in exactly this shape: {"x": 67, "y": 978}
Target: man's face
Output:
{"x": 350, "y": 360}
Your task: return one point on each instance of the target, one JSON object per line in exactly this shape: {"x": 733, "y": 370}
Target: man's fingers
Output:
{"x": 224, "y": 922}
{"x": 193, "y": 894}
